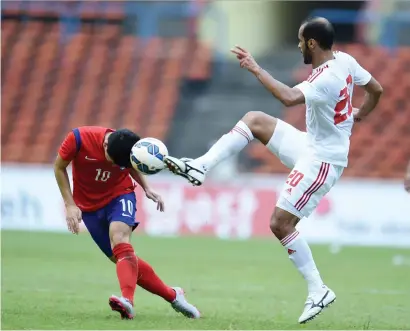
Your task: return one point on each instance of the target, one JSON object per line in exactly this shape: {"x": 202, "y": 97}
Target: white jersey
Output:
{"x": 328, "y": 97}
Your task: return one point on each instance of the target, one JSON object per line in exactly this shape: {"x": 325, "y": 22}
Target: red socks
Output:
{"x": 131, "y": 271}
{"x": 127, "y": 269}
{"x": 149, "y": 281}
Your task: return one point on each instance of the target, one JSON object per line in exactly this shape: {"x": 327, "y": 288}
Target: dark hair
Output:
{"x": 119, "y": 147}
{"x": 319, "y": 29}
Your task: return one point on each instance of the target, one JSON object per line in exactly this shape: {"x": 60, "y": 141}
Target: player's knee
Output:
{"x": 119, "y": 233}
{"x": 119, "y": 238}
{"x": 254, "y": 121}
{"x": 275, "y": 225}
{"x": 261, "y": 125}
{"x": 281, "y": 225}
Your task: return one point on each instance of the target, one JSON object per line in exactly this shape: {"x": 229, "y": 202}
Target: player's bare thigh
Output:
{"x": 281, "y": 138}
{"x": 262, "y": 125}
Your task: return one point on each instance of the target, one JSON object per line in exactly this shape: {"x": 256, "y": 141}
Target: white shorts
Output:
{"x": 309, "y": 179}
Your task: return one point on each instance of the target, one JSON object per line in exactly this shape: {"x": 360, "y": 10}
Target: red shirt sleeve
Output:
{"x": 68, "y": 148}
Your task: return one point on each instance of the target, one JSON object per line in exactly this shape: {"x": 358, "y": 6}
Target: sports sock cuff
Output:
{"x": 290, "y": 239}
{"x": 244, "y": 130}
{"x": 123, "y": 249}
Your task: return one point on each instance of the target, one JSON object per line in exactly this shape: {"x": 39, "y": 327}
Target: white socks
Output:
{"x": 229, "y": 144}
{"x": 301, "y": 256}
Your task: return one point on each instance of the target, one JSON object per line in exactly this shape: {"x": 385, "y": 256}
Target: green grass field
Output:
{"x": 62, "y": 281}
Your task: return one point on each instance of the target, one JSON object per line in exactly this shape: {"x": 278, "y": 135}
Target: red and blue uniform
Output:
{"x": 103, "y": 191}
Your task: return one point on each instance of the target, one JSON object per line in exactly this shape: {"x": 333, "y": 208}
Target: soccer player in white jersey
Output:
{"x": 316, "y": 158}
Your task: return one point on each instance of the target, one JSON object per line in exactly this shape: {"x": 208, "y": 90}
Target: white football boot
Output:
{"x": 315, "y": 304}
{"x": 181, "y": 305}
{"x": 193, "y": 171}
{"x": 123, "y": 306}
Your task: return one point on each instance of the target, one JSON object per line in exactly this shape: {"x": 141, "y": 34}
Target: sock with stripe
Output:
{"x": 127, "y": 269}
{"x": 149, "y": 281}
{"x": 229, "y": 144}
{"x": 301, "y": 256}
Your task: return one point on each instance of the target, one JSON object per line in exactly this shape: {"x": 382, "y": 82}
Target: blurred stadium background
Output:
{"x": 163, "y": 69}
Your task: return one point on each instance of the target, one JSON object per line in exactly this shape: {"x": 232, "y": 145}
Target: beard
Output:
{"x": 307, "y": 57}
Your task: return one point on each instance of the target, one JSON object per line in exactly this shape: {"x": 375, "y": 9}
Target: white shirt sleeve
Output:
{"x": 311, "y": 93}
{"x": 360, "y": 75}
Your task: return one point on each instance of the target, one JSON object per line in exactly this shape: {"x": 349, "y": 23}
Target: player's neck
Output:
{"x": 322, "y": 58}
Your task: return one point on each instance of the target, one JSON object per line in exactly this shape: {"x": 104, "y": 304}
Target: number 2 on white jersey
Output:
{"x": 344, "y": 103}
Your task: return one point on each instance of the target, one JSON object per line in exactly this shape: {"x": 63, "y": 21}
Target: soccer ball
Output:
{"x": 147, "y": 156}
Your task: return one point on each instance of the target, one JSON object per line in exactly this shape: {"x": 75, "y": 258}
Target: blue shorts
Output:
{"x": 120, "y": 209}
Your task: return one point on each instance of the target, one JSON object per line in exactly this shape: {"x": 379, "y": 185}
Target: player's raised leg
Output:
{"x": 253, "y": 125}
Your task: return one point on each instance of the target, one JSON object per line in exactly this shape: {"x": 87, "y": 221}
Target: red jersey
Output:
{"x": 96, "y": 180}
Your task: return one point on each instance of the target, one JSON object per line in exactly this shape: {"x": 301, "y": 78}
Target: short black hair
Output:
{"x": 319, "y": 29}
{"x": 120, "y": 143}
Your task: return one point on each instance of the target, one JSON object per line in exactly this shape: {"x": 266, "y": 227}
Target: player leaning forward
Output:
{"x": 317, "y": 157}
{"x": 104, "y": 198}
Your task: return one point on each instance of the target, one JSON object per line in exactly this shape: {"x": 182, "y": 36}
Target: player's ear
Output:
{"x": 311, "y": 44}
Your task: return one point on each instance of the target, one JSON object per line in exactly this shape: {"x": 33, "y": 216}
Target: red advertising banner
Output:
{"x": 218, "y": 210}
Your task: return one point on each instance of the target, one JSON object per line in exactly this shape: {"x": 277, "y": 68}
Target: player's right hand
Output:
{"x": 73, "y": 218}
{"x": 246, "y": 60}
{"x": 356, "y": 115}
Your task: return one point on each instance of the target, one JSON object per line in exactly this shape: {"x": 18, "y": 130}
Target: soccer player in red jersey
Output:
{"x": 104, "y": 199}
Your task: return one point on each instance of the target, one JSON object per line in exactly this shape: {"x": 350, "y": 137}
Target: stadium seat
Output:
{"x": 7, "y": 30}
{"x": 94, "y": 74}
{"x": 15, "y": 74}
{"x": 54, "y": 119}
{"x": 142, "y": 84}
{"x": 168, "y": 88}
{"x": 12, "y": 7}
{"x": 94, "y": 77}
{"x": 116, "y": 84}
{"x": 86, "y": 9}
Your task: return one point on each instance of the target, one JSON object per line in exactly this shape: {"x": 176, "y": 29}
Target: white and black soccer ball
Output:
{"x": 147, "y": 156}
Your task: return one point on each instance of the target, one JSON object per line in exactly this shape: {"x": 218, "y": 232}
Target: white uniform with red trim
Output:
{"x": 318, "y": 157}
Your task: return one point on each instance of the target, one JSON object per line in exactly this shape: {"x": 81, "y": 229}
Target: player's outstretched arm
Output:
{"x": 373, "y": 93}
{"x": 287, "y": 95}
{"x": 140, "y": 179}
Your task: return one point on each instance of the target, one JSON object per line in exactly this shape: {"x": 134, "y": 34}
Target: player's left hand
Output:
{"x": 156, "y": 198}
{"x": 246, "y": 60}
